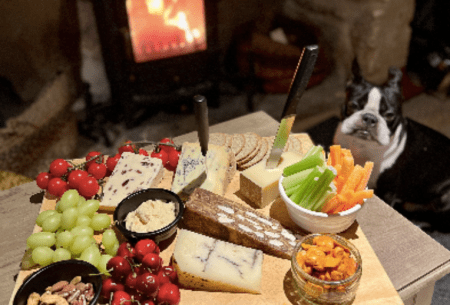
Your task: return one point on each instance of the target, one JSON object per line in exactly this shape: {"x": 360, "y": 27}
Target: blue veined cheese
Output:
{"x": 206, "y": 263}
{"x": 194, "y": 170}
{"x": 132, "y": 173}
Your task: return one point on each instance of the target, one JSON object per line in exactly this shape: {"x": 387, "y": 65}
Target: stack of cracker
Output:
{"x": 250, "y": 148}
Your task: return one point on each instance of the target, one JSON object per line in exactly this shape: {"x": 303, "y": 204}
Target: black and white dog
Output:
{"x": 411, "y": 161}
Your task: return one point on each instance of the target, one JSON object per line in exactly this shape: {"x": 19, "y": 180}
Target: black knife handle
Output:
{"x": 201, "y": 115}
{"x": 301, "y": 78}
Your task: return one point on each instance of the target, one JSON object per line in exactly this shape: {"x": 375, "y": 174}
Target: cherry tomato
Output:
{"x": 59, "y": 167}
{"x": 42, "y": 180}
{"x": 88, "y": 187}
{"x": 57, "y": 186}
{"x": 160, "y": 155}
{"x": 127, "y": 147}
{"x": 90, "y": 156}
{"x": 75, "y": 177}
{"x": 143, "y": 152}
{"x": 112, "y": 162}
{"x": 97, "y": 170}
{"x": 166, "y": 148}
{"x": 174, "y": 156}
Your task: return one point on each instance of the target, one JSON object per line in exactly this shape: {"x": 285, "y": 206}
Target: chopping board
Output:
{"x": 277, "y": 282}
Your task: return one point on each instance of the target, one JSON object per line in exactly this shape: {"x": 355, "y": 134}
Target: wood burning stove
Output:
{"x": 158, "y": 52}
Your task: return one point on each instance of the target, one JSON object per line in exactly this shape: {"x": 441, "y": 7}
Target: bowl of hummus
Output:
{"x": 151, "y": 213}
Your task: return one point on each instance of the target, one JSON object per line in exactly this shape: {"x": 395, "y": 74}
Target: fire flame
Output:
{"x": 156, "y": 26}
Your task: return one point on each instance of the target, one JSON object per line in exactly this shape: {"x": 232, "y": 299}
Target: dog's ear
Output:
{"x": 395, "y": 77}
{"x": 356, "y": 71}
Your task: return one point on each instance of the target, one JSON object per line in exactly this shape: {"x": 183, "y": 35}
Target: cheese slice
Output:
{"x": 260, "y": 185}
{"x": 194, "y": 170}
{"x": 132, "y": 173}
{"x": 206, "y": 263}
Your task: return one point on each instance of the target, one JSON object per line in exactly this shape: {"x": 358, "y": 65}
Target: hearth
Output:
{"x": 158, "y": 52}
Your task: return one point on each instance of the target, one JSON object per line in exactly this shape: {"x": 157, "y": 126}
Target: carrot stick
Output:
{"x": 335, "y": 154}
{"x": 354, "y": 178}
{"x": 331, "y": 204}
{"x": 366, "y": 176}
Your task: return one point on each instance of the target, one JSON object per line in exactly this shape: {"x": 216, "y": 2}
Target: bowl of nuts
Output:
{"x": 326, "y": 269}
{"x": 65, "y": 282}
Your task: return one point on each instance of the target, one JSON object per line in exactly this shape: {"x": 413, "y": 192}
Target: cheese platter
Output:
{"x": 277, "y": 285}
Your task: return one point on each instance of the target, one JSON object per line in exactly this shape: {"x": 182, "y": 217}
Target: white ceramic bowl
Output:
{"x": 318, "y": 222}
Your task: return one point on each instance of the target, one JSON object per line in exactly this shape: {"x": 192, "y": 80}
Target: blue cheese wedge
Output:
{"x": 132, "y": 173}
{"x": 194, "y": 170}
{"x": 206, "y": 263}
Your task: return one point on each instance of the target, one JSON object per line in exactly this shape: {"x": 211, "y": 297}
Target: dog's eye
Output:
{"x": 389, "y": 116}
{"x": 354, "y": 105}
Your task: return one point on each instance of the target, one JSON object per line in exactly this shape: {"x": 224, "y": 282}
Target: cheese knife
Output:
{"x": 201, "y": 115}
{"x": 299, "y": 82}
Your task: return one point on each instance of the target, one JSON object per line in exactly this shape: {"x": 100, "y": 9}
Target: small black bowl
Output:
{"x": 60, "y": 271}
{"x": 133, "y": 201}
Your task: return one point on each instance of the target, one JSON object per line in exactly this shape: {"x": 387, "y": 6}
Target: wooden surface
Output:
{"x": 277, "y": 283}
{"x": 410, "y": 257}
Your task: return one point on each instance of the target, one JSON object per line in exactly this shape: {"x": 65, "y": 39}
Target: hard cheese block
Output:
{"x": 206, "y": 263}
{"x": 260, "y": 185}
{"x": 222, "y": 218}
{"x": 194, "y": 171}
{"x": 132, "y": 173}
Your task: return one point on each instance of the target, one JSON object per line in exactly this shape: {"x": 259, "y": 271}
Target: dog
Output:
{"x": 411, "y": 161}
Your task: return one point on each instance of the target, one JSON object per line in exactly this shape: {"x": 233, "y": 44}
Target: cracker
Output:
{"x": 229, "y": 140}
{"x": 217, "y": 138}
{"x": 296, "y": 145}
{"x": 237, "y": 144}
{"x": 252, "y": 140}
{"x": 305, "y": 140}
{"x": 251, "y": 155}
{"x": 259, "y": 156}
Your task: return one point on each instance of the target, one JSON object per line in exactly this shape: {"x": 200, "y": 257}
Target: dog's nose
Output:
{"x": 369, "y": 119}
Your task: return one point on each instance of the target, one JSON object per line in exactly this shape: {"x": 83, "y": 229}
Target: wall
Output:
{"x": 39, "y": 39}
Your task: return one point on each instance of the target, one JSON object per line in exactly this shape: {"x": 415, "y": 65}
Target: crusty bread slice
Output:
{"x": 216, "y": 216}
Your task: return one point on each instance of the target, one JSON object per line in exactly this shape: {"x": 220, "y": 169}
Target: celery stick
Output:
{"x": 296, "y": 178}
{"x": 325, "y": 197}
{"x": 305, "y": 163}
{"x": 314, "y": 150}
{"x": 291, "y": 190}
{"x": 306, "y": 184}
{"x": 318, "y": 190}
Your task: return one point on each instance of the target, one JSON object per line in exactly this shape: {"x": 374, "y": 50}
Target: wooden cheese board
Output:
{"x": 277, "y": 282}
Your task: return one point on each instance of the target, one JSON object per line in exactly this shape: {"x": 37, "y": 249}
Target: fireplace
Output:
{"x": 158, "y": 52}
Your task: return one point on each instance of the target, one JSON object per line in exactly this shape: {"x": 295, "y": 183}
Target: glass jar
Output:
{"x": 313, "y": 290}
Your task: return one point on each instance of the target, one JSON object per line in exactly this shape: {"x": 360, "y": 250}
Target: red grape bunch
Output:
{"x": 138, "y": 275}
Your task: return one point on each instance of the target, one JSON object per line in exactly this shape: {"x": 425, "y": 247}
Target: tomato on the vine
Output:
{"x": 160, "y": 155}
{"x": 88, "y": 187}
{"x": 174, "y": 156}
{"x": 143, "y": 152}
{"x": 166, "y": 148}
{"x": 75, "y": 177}
{"x": 91, "y": 155}
{"x": 127, "y": 147}
{"x": 57, "y": 186}
{"x": 59, "y": 167}
{"x": 112, "y": 162}
{"x": 97, "y": 170}
{"x": 42, "y": 180}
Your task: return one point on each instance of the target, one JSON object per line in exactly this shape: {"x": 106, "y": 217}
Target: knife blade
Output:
{"x": 201, "y": 115}
{"x": 298, "y": 85}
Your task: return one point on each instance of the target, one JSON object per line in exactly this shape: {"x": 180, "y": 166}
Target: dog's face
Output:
{"x": 371, "y": 112}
